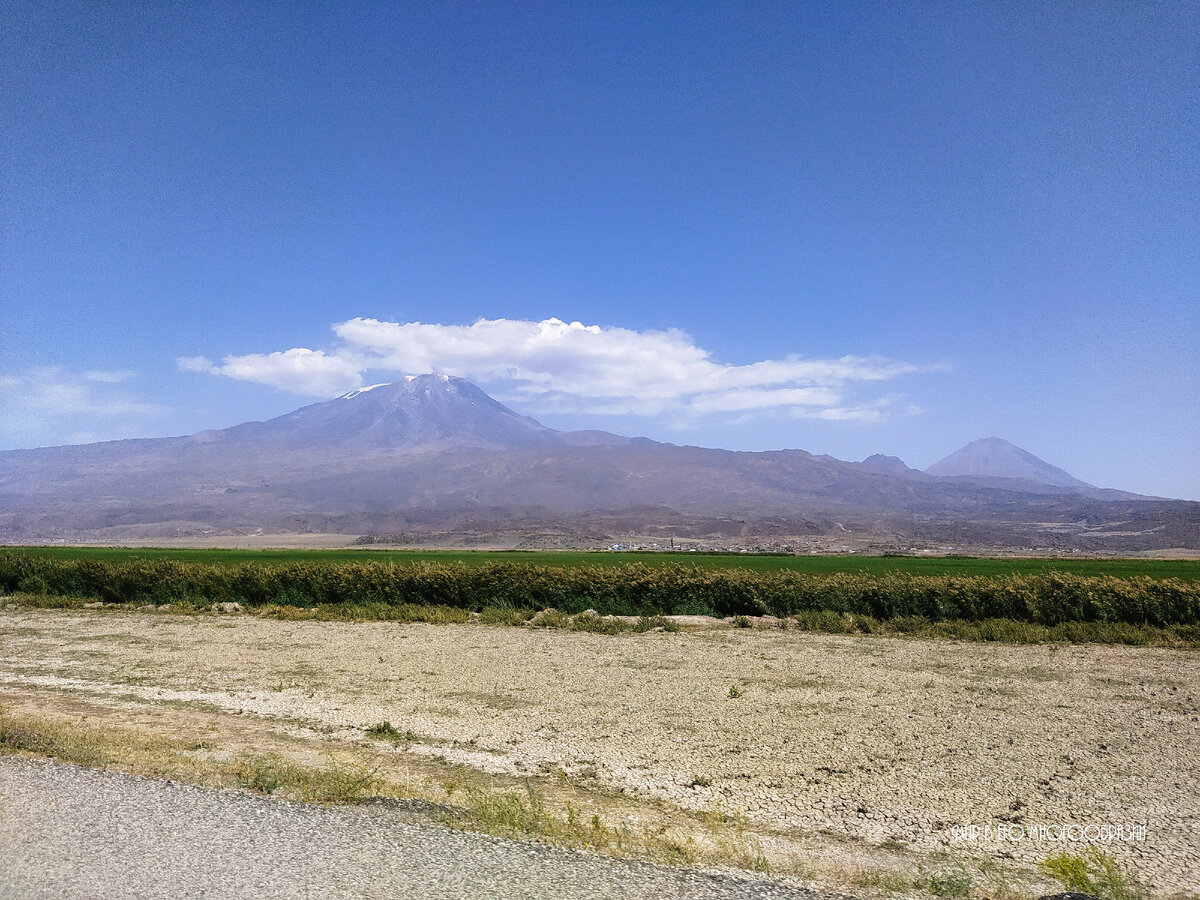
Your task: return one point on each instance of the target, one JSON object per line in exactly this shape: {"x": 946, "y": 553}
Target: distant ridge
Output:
{"x": 434, "y": 454}
{"x": 994, "y": 457}
{"x": 886, "y": 465}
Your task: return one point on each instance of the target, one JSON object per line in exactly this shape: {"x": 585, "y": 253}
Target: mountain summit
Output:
{"x": 994, "y": 457}
{"x": 416, "y": 411}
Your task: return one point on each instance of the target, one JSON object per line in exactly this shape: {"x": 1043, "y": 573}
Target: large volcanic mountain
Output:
{"x": 434, "y": 456}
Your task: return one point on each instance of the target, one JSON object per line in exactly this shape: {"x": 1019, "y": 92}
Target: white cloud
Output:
{"x": 194, "y": 363}
{"x": 47, "y": 403}
{"x": 300, "y": 370}
{"x": 555, "y": 366}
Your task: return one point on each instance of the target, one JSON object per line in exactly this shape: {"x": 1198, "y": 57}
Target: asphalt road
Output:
{"x": 68, "y": 832}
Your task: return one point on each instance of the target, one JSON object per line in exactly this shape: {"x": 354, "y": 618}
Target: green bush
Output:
{"x": 33, "y": 584}
{"x": 832, "y": 602}
{"x": 1093, "y": 872}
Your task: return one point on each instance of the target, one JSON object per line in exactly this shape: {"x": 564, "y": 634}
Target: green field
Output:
{"x": 1184, "y": 569}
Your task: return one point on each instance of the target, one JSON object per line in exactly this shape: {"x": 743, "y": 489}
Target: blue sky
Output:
{"x": 848, "y": 228}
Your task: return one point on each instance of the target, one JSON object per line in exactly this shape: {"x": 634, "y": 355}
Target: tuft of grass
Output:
{"x": 1093, "y": 872}
{"x": 527, "y": 814}
{"x": 494, "y": 615}
{"x": 597, "y": 624}
{"x": 21, "y": 739}
{"x": 261, "y": 774}
{"x": 951, "y": 884}
{"x": 551, "y": 618}
{"x": 756, "y": 862}
{"x": 339, "y": 782}
{"x": 741, "y": 622}
{"x": 386, "y": 731}
{"x": 734, "y": 692}
{"x": 650, "y": 623}
{"x": 509, "y": 813}
{"x": 890, "y": 882}
{"x": 34, "y": 736}
{"x": 46, "y": 601}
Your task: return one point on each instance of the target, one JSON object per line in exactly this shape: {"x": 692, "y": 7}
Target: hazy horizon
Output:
{"x": 857, "y": 230}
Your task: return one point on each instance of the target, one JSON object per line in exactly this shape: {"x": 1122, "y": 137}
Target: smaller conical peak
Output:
{"x": 995, "y": 457}
{"x": 994, "y": 443}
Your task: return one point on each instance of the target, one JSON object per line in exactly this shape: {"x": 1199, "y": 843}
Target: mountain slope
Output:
{"x": 996, "y": 458}
{"x": 417, "y": 411}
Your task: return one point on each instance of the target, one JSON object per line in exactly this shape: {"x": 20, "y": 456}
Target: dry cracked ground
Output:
{"x": 858, "y": 763}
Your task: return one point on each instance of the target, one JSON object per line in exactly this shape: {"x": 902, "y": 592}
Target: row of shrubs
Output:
{"x": 1044, "y": 599}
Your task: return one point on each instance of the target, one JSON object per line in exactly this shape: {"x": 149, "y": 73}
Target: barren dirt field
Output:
{"x": 857, "y": 763}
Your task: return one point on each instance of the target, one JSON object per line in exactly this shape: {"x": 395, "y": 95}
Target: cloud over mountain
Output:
{"x": 553, "y": 366}
{"x": 310, "y": 373}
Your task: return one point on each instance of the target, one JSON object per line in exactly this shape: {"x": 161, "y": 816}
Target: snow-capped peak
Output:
{"x": 362, "y": 390}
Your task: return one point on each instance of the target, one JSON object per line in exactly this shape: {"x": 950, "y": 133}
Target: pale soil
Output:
{"x": 834, "y": 745}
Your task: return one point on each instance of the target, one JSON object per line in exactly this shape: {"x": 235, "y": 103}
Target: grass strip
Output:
{"x": 1005, "y": 631}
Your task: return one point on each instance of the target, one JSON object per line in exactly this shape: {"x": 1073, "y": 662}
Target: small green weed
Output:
{"x": 649, "y": 623}
{"x": 1093, "y": 872}
{"x": 955, "y": 884}
{"x": 261, "y": 774}
{"x": 386, "y": 731}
